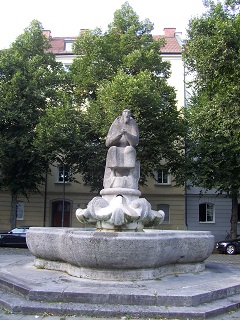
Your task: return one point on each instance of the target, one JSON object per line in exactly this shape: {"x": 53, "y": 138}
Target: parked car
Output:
{"x": 14, "y": 238}
{"x": 231, "y": 246}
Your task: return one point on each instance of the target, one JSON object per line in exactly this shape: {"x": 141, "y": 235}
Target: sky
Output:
{"x": 66, "y": 18}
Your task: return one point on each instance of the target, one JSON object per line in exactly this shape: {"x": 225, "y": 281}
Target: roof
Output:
{"x": 171, "y": 45}
{"x": 172, "y": 39}
{"x": 58, "y": 44}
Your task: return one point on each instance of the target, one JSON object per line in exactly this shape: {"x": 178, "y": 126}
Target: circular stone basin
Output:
{"x": 119, "y": 255}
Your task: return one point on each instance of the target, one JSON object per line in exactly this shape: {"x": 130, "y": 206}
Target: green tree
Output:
{"x": 213, "y": 59}
{"x": 29, "y": 76}
{"x": 122, "y": 68}
{"x": 62, "y": 136}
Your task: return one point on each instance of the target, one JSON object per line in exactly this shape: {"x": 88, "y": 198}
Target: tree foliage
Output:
{"x": 29, "y": 76}
{"x": 122, "y": 68}
{"x": 212, "y": 57}
{"x": 62, "y": 136}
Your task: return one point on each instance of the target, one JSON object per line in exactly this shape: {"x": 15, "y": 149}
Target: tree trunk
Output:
{"x": 13, "y": 214}
{"x": 234, "y": 217}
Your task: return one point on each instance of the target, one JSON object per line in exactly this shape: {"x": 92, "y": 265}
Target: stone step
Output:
{"x": 18, "y": 304}
{"x": 181, "y": 291}
{"x": 28, "y": 290}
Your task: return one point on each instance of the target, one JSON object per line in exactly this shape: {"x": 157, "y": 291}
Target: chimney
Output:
{"x": 47, "y": 33}
{"x": 169, "y": 32}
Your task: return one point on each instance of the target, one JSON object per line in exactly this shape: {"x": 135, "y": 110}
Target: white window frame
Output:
{"x": 59, "y": 169}
{"x": 163, "y": 173}
{"x": 210, "y": 212}
{"x": 66, "y": 66}
{"x": 68, "y": 45}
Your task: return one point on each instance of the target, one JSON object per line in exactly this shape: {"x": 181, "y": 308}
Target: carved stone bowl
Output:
{"x": 120, "y": 256}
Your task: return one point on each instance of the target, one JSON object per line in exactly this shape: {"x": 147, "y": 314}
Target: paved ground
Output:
{"x": 5, "y": 254}
{"x": 4, "y": 315}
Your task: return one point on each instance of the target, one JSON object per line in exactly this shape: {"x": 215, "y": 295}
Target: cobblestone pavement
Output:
{"x": 5, "y": 315}
{"x": 14, "y": 251}
{"x": 225, "y": 258}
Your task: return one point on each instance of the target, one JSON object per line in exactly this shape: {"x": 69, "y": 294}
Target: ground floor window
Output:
{"x": 206, "y": 212}
{"x": 165, "y": 208}
{"x": 20, "y": 210}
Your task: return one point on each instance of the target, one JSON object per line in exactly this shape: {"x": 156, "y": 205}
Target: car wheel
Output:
{"x": 231, "y": 249}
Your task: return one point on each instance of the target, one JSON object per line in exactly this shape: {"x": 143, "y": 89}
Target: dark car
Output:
{"x": 14, "y": 238}
{"x": 229, "y": 246}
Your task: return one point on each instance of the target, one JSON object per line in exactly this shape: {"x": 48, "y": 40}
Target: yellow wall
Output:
{"x": 80, "y": 195}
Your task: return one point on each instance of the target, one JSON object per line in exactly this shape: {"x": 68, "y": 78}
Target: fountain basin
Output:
{"x": 119, "y": 255}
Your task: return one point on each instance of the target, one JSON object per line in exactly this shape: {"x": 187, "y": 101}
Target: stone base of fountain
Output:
{"x": 120, "y": 256}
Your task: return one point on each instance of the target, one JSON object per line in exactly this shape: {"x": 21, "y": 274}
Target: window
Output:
{"x": 165, "y": 208}
{"x": 20, "y": 210}
{"x": 68, "y": 46}
{"x": 66, "y": 67}
{"x": 206, "y": 212}
{"x": 63, "y": 173}
{"x": 19, "y": 230}
{"x": 162, "y": 177}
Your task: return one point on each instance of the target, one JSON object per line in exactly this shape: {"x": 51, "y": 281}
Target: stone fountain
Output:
{"x": 119, "y": 248}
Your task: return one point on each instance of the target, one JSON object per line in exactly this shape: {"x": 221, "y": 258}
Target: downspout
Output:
{"x": 185, "y": 184}
{"x": 45, "y": 200}
{"x": 186, "y": 206}
{"x": 63, "y": 202}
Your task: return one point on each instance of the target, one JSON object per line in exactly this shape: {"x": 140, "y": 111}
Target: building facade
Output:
{"x": 55, "y": 206}
{"x": 209, "y": 211}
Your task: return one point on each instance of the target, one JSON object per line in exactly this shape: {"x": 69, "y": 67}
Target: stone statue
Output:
{"x": 122, "y": 138}
{"x": 119, "y": 207}
{"x": 121, "y": 169}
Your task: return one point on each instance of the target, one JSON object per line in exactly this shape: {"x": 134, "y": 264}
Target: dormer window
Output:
{"x": 68, "y": 45}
